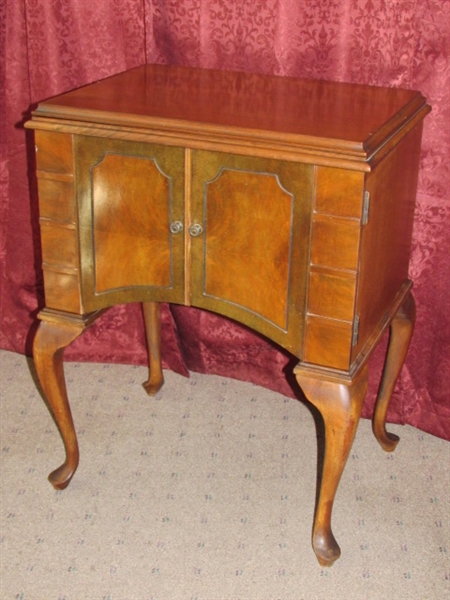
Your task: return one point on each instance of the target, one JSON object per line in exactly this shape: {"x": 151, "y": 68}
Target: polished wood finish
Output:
{"x": 116, "y": 227}
{"x": 284, "y": 204}
{"x": 340, "y": 404}
{"x": 208, "y": 107}
{"x": 55, "y": 332}
{"x": 251, "y": 263}
{"x": 152, "y": 320}
{"x": 58, "y": 214}
{"x": 401, "y": 331}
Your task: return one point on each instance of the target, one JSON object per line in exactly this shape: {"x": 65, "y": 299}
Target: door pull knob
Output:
{"x": 176, "y": 227}
{"x": 195, "y": 230}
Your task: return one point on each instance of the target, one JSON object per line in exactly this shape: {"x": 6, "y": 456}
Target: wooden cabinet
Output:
{"x": 220, "y": 231}
{"x": 286, "y": 205}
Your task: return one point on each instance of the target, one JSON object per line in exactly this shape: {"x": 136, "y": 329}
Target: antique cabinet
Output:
{"x": 286, "y": 205}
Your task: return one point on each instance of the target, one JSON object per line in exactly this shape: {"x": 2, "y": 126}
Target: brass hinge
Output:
{"x": 366, "y": 208}
{"x": 355, "y": 332}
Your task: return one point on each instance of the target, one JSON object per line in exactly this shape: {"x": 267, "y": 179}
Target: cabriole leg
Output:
{"x": 401, "y": 331}
{"x": 152, "y": 319}
{"x": 54, "y": 334}
{"x": 340, "y": 405}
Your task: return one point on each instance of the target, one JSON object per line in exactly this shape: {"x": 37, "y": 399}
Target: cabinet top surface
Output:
{"x": 357, "y": 116}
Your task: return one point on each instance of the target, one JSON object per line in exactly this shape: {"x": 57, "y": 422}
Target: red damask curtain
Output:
{"x": 51, "y": 47}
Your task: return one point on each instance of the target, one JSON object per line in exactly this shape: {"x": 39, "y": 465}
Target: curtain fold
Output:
{"x": 51, "y": 47}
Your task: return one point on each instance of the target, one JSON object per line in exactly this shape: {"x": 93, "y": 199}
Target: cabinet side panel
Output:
{"x": 327, "y": 342}
{"x": 333, "y": 271}
{"x": 335, "y": 242}
{"x": 338, "y": 192}
{"x": 59, "y": 245}
{"x": 386, "y": 239}
{"x": 62, "y": 290}
{"x": 54, "y": 152}
{"x": 331, "y": 294}
{"x": 56, "y": 199}
{"x": 58, "y": 222}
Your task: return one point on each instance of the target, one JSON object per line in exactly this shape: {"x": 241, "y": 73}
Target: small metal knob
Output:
{"x": 195, "y": 230}
{"x": 176, "y": 227}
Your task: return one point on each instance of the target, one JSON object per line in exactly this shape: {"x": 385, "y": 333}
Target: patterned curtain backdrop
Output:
{"x": 51, "y": 47}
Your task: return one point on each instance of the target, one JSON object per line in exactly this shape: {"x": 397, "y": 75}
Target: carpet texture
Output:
{"x": 207, "y": 492}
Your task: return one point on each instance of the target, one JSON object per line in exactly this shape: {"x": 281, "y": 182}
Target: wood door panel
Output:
{"x": 125, "y": 230}
{"x": 250, "y": 263}
{"x": 254, "y": 251}
{"x": 128, "y": 194}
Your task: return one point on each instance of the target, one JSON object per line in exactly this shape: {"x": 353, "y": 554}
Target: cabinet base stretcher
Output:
{"x": 339, "y": 401}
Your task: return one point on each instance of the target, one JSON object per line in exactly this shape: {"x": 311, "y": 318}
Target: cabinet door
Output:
{"x": 249, "y": 255}
{"x": 129, "y": 195}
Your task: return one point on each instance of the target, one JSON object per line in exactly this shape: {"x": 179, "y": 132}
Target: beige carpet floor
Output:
{"x": 206, "y": 492}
